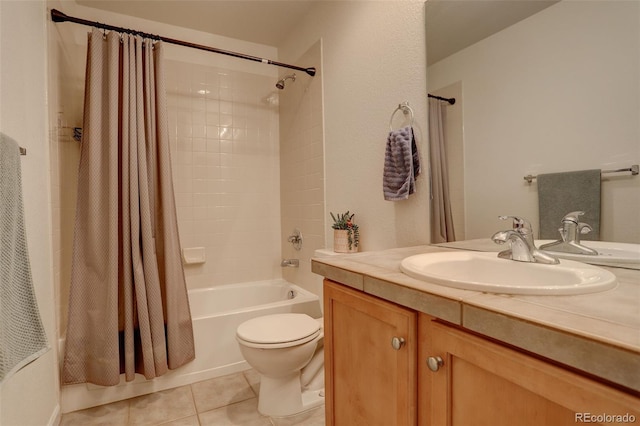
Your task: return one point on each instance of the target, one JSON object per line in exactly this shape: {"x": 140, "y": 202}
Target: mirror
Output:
{"x": 556, "y": 88}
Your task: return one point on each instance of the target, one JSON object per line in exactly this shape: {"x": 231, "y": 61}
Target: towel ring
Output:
{"x": 406, "y": 109}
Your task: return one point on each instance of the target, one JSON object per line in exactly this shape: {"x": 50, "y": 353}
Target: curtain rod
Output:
{"x": 57, "y": 16}
{"x": 450, "y": 100}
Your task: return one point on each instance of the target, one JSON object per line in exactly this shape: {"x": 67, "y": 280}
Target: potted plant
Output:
{"x": 346, "y": 235}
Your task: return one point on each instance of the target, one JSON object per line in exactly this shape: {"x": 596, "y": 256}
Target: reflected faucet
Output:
{"x": 521, "y": 241}
{"x": 570, "y": 233}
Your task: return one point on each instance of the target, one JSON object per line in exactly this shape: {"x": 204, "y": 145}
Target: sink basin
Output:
{"x": 608, "y": 253}
{"x": 486, "y": 272}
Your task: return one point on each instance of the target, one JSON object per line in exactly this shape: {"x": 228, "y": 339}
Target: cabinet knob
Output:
{"x": 434, "y": 363}
{"x": 397, "y": 343}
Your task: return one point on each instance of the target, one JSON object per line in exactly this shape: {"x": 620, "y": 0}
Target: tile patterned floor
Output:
{"x": 223, "y": 401}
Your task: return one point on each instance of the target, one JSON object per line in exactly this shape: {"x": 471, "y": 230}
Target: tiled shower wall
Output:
{"x": 302, "y": 168}
{"x": 226, "y": 168}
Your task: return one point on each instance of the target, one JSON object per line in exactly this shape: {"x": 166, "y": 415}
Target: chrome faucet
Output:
{"x": 296, "y": 239}
{"x": 520, "y": 239}
{"x": 570, "y": 233}
{"x": 290, "y": 263}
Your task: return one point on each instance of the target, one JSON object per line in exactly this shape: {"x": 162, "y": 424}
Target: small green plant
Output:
{"x": 345, "y": 221}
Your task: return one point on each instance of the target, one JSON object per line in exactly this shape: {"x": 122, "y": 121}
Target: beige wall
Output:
{"x": 30, "y": 397}
{"x": 373, "y": 60}
{"x": 555, "y": 92}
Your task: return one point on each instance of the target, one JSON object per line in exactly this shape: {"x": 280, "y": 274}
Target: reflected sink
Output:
{"x": 608, "y": 253}
{"x": 486, "y": 272}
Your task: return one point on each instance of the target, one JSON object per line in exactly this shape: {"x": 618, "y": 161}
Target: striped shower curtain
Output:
{"x": 128, "y": 306}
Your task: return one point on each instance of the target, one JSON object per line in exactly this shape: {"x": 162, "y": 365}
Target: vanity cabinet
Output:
{"x": 390, "y": 365}
{"x": 370, "y": 359}
{"x": 469, "y": 380}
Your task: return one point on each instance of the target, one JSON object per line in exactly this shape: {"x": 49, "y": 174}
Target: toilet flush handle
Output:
{"x": 397, "y": 343}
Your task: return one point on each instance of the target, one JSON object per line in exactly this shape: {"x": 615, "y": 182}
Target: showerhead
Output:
{"x": 280, "y": 83}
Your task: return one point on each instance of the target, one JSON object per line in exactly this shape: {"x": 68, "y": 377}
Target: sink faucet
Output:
{"x": 570, "y": 233}
{"x": 521, "y": 241}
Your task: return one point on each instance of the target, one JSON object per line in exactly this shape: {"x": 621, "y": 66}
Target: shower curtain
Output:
{"x": 441, "y": 217}
{"x": 128, "y": 306}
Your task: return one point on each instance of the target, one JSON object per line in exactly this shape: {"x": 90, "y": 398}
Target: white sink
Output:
{"x": 486, "y": 272}
{"x": 608, "y": 253}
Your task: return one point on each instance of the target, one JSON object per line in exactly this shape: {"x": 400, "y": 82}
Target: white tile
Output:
{"x": 199, "y": 144}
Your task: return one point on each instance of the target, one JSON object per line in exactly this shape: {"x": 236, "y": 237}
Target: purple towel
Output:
{"x": 401, "y": 165}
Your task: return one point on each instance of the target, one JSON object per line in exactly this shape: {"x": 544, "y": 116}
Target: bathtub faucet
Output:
{"x": 290, "y": 263}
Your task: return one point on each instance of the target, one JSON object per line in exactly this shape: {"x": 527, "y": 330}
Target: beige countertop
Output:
{"x": 598, "y": 333}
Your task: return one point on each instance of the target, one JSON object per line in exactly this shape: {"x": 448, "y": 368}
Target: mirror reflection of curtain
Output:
{"x": 441, "y": 218}
{"x": 128, "y": 306}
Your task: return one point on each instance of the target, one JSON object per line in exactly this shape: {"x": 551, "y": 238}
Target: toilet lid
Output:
{"x": 278, "y": 328}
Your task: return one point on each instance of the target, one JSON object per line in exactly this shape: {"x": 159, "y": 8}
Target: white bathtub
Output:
{"x": 216, "y": 313}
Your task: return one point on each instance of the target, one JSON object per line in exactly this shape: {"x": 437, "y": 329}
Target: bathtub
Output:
{"x": 216, "y": 313}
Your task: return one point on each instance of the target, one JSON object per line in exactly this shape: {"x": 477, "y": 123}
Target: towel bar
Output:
{"x": 634, "y": 170}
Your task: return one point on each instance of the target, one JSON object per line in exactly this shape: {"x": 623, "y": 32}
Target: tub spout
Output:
{"x": 290, "y": 263}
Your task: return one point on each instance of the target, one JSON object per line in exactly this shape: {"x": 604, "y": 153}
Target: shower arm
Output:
{"x": 57, "y": 16}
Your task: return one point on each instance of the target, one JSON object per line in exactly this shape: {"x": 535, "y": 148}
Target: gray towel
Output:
{"x": 22, "y": 336}
{"x": 562, "y": 193}
{"x": 401, "y": 165}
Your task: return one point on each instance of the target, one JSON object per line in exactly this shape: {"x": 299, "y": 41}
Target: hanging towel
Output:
{"x": 22, "y": 336}
{"x": 401, "y": 165}
{"x": 562, "y": 193}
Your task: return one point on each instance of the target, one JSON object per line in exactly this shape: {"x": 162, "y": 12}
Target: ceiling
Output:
{"x": 258, "y": 21}
{"x": 451, "y": 25}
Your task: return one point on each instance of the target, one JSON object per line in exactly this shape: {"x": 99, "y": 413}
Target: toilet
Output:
{"x": 287, "y": 351}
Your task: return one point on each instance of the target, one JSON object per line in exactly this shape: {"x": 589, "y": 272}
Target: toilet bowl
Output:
{"x": 287, "y": 351}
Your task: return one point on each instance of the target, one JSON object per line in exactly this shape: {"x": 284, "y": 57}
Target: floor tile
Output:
{"x": 164, "y": 406}
{"x": 253, "y": 377}
{"x": 313, "y": 417}
{"x": 243, "y": 413}
{"x": 116, "y": 413}
{"x": 223, "y": 401}
{"x": 221, "y": 391}
{"x": 186, "y": 421}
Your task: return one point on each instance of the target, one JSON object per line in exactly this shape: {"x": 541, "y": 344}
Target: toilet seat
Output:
{"x": 278, "y": 330}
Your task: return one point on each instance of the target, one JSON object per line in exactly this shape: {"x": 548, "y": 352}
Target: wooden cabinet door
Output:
{"x": 368, "y": 381}
{"x": 484, "y": 383}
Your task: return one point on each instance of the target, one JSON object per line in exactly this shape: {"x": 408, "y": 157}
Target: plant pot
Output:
{"x": 341, "y": 242}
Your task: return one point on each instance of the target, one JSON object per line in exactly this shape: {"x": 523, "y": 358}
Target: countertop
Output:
{"x": 598, "y": 333}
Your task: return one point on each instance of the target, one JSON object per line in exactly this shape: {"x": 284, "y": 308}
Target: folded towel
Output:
{"x": 562, "y": 193}
{"x": 22, "y": 336}
{"x": 401, "y": 165}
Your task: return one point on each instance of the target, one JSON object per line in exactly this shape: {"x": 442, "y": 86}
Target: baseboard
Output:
{"x": 56, "y": 416}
